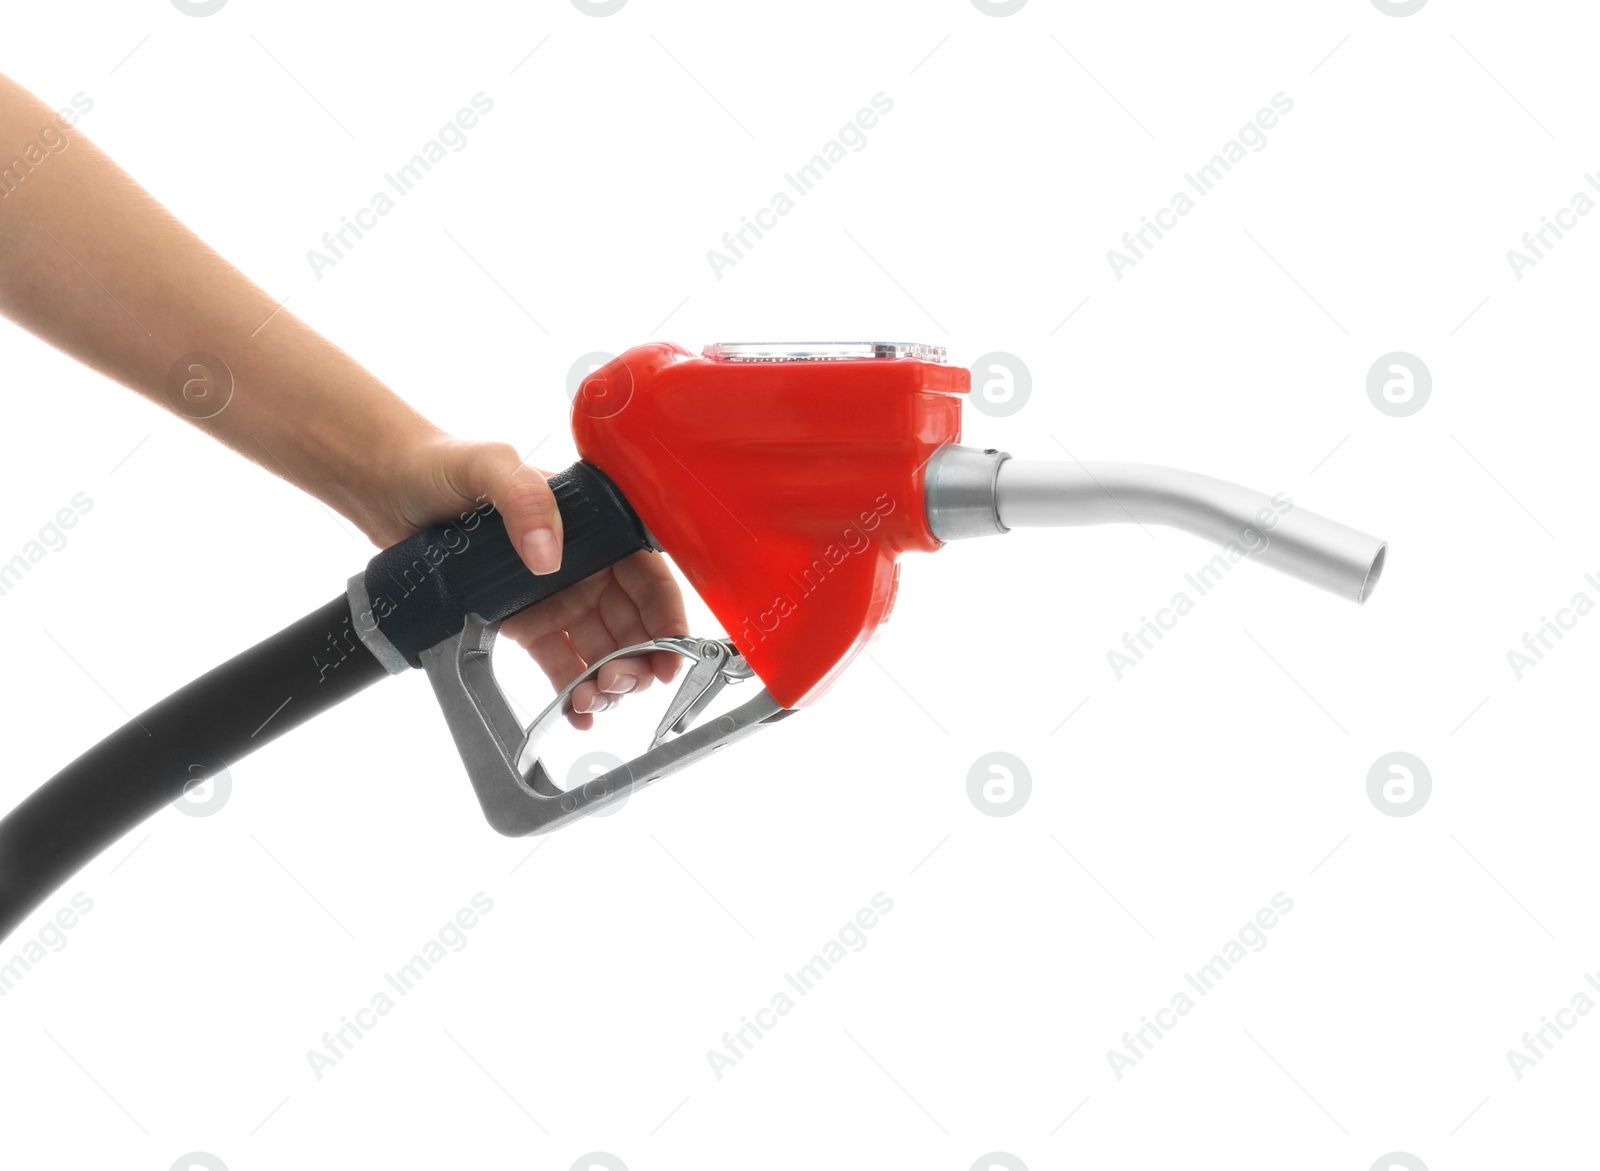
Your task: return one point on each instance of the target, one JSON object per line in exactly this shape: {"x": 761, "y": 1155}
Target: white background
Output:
{"x": 1171, "y": 806}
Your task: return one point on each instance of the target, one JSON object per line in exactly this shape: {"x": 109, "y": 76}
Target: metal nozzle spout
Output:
{"x": 971, "y": 492}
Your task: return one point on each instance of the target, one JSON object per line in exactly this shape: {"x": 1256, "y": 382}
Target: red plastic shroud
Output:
{"x": 784, "y": 491}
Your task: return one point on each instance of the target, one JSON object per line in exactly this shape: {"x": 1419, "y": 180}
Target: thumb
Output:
{"x": 496, "y": 473}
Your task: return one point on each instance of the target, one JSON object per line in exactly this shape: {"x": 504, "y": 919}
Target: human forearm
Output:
{"x": 91, "y": 263}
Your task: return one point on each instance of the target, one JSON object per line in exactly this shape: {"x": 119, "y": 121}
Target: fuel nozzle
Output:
{"x": 973, "y": 493}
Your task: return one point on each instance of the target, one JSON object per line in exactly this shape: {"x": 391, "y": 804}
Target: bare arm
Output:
{"x": 92, "y": 264}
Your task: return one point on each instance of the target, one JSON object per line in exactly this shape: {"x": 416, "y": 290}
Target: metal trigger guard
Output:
{"x": 502, "y": 757}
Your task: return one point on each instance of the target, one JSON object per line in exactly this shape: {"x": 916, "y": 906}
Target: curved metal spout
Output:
{"x": 971, "y": 493}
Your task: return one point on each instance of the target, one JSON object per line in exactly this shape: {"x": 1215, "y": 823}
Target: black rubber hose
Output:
{"x": 419, "y": 593}
{"x": 194, "y": 733}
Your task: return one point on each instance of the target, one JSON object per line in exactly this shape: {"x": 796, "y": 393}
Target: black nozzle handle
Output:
{"x": 420, "y": 591}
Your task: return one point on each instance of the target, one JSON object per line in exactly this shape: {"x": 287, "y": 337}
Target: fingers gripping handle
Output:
{"x": 417, "y": 593}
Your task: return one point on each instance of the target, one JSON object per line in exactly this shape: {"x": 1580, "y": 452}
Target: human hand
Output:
{"x": 631, "y": 602}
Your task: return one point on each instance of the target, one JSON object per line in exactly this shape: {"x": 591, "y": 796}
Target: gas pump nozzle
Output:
{"x": 784, "y": 481}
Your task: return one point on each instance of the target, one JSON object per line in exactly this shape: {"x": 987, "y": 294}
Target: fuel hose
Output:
{"x": 411, "y": 597}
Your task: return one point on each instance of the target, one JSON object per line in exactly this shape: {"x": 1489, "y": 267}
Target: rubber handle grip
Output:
{"x": 422, "y": 589}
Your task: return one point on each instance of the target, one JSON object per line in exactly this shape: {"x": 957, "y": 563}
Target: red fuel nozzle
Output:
{"x": 784, "y": 482}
